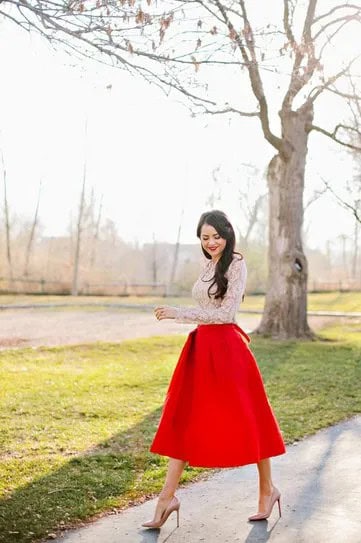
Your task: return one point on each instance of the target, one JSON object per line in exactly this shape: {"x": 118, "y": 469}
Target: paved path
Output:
{"x": 320, "y": 481}
{"x": 24, "y": 327}
{"x": 38, "y": 326}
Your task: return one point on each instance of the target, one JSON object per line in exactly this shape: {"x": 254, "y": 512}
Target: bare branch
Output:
{"x": 331, "y": 80}
{"x": 253, "y": 71}
{"x": 287, "y": 24}
{"x": 341, "y": 6}
{"x": 355, "y": 100}
{"x": 345, "y": 19}
{"x": 316, "y": 195}
{"x": 333, "y": 135}
{"x": 330, "y": 38}
{"x": 339, "y": 93}
{"x": 310, "y": 16}
{"x": 300, "y": 78}
{"x": 355, "y": 211}
{"x": 230, "y": 109}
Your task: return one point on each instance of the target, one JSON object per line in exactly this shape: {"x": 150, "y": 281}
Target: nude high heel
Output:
{"x": 275, "y": 497}
{"x": 173, "y": 506}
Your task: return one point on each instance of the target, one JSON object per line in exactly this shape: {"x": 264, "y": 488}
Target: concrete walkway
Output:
{"x": 320, "y": 481}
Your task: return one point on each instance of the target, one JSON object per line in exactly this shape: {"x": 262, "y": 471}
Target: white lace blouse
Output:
{"x": 211, "y": 310}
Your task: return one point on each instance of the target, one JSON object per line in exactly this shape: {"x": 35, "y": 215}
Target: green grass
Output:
{"x": 333, "y": 301}
{"x": 317, "y": 301}
{"x": 76, "y": 422}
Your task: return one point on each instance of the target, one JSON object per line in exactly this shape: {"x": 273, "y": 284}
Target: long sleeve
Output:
{"x": 219, "y": 311}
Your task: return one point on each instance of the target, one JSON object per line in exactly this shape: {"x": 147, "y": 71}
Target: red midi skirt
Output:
{"x": 216, "y": 412}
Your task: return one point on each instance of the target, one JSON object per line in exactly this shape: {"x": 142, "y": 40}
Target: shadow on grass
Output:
{"x": 113, "y": 473}
{"x": 84, "y": 486}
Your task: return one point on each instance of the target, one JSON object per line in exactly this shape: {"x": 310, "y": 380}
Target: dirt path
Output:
{"x": 34, "y": 327}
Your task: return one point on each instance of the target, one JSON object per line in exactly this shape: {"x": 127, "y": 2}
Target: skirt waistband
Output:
{"x": 223, "y": 325}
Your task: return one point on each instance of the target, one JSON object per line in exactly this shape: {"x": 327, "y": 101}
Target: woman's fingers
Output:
{"x": 159, "y": 312}
{"x": 163, "y": 312}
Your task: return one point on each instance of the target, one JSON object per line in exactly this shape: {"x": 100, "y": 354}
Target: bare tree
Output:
{"x": 355, "y": 255}
{"x": 79, "y": 230}
{"x": 176, "y": 251}
{"x": 215, "y": 195}
{"x": 154, "y": 261}
{"x": 96, "y": 229}
{"x": 175, "y": 44}
{"x": 251, "y": 201}
{"x": 250, "y": 198}
{"x": 351, "y": 201}
{"x": 7, "y": 223}
{"x": 32, "y": 234}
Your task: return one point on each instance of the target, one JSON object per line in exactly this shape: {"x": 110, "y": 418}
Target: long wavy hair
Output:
{"x": 221, "y": 224}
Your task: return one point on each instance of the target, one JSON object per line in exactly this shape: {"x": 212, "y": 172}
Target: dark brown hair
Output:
{"x": 221, "y": 224}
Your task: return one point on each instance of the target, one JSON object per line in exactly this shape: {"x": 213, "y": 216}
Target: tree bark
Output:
{"x": 285, "y": 311}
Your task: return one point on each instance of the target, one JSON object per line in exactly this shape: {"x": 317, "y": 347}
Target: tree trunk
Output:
{"x": 285, "y": 311}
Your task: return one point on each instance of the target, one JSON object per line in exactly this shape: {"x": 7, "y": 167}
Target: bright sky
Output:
{"x": 144, "y": 152}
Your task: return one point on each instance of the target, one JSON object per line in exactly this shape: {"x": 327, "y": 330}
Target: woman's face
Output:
{"x": 212, "y": 242}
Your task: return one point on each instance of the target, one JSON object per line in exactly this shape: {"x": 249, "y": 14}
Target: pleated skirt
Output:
{"x": 216, "y": 411}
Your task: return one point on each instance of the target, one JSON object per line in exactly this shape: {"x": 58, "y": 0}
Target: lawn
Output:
{"x": 323, "y": 301}
{"x": 76, "y": 422}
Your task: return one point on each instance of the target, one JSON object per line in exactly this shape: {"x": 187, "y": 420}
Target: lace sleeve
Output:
{"x": 237, "y": 276}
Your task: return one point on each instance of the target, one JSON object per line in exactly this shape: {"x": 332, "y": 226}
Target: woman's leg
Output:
{"x": 265, "y": 484}
{"x": 175, "y": 469}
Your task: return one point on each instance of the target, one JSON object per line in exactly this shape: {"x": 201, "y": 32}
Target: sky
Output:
{"x": 143, "y": 151}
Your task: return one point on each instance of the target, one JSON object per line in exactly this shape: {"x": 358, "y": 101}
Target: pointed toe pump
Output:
{"x": 275, "y": 497}
{"x": 174, "y": 505}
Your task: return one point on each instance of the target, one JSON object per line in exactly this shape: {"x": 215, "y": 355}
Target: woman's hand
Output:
{"x": 165, "y": 312}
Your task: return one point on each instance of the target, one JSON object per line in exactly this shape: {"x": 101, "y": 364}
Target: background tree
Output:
{"x": 251, "y": 198}
{"x": 348, "y": 195}
{"x": 178, "y": 45}
{"x": 78, "y": 237}
{"x": 7, "y": 224}
{"x": 30, "y": 243}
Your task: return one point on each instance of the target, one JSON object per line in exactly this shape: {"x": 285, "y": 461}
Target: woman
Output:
{"x": 216, "y": 412}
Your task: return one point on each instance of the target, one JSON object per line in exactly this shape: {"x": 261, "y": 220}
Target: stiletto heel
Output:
{"x": 174, "y": 505}
{"x": 279, "y": 506}
{"x": 275, "y": 497}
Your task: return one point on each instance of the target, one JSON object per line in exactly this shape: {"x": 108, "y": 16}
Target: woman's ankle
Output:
{"x": 166, "y": 495}
{"x": 266, "y": 489}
